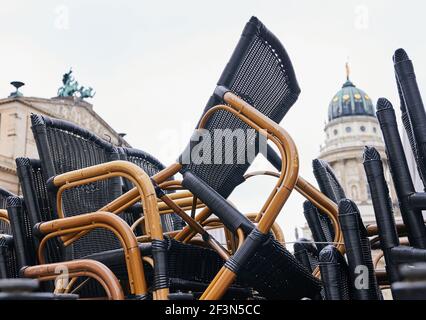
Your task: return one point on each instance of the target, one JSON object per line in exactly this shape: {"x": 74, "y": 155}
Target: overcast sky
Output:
{"x": 153, "y": 64}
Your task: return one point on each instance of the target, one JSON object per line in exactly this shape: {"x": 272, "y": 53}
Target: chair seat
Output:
{"x": 276, "y": 274}
{"x": 273, "y": 272}
{"x": 190, "y": 267}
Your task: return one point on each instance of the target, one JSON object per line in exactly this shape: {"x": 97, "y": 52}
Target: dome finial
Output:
{"x": 348, "y": 71}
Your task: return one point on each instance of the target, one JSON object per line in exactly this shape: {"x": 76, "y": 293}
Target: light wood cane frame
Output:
{"x": 79, "y": 268}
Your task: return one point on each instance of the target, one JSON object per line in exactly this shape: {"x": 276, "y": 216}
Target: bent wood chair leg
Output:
{"x": 90, "y": 268}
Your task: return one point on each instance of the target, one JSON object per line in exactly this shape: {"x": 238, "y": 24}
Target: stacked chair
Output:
{"x": 87, "y": 201}
{"x": 404, "y": 263}
{"x": 339, "y": 273}
{"x": 119, "y": 217}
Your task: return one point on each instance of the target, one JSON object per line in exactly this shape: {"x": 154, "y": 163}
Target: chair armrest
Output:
{"x": 89, "y": 221}
{"x": 78, "y": 268}
{"x": 107, "y": 170}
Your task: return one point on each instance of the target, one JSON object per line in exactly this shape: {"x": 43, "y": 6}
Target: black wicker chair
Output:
{"x": 259, "y": 72}
{"x": 358, "y": 252}
{"x": 410, "y": 202}
{"x": 412, "y": 109}
{"x": 319, "y": 223}
{"x": 306, "y": 253}
{"x": 395, "y": 254}
{"x": 334, "y": 274}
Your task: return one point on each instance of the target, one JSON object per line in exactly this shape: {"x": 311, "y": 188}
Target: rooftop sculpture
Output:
{"x": 71, "y": 88}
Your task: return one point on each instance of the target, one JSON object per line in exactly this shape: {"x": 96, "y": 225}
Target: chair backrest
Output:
{"x": 358, "y": 251}
{"x": 334, "y": 274}
{"x": 4, "y": 226}
{"x": 401, "y": 176}
{"x": 412, "y": 109}
{"x": 23, "y": 240}
{"x": 306, "y": 253}
{"x": 327, "y": 180}
{"x": 35, "y": 208}
{"x": 151, "y": 166}
{"x": 261, "y": 73}
{"x": 63, "y": 147}
{"x": 319, "y": 223}
{"x": 383, "y": 209}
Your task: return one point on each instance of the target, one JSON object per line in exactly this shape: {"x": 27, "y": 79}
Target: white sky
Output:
{"x": 154, "y": 64}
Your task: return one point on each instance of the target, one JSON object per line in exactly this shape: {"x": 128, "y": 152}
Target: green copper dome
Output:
{"x": 350, "y": 101}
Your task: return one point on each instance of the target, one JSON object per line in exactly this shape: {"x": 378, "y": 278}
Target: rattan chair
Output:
{"x": 306, "y": 253}
{"x": 334, "y": 274}
{"x": 412, "y": 109}
{"x": 23, "y": 217}
{"x": 410, "y": 202}
{"x": 250, "y": 94}
{"x": 395, "y": 254}
{"x": 358, "y": 252}
{"x": 319, "y": 223}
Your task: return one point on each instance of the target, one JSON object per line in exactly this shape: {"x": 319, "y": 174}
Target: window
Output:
{"x": 374, "y": 129}
{"x": 348, "y": 129}
{"x": 362, "y": 128}
{"x": 335, "y": 132}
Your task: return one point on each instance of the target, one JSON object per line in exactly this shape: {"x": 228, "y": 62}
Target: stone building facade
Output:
{"x": 16, "y": 138}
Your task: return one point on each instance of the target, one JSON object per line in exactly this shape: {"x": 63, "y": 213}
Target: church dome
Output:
{"x": 350, "y": 101}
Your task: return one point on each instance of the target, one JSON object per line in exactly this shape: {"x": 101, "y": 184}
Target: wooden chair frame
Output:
{"x": 79, "y": 268}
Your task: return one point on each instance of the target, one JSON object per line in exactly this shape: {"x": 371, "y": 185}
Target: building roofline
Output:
{"x": 29, "y": 101}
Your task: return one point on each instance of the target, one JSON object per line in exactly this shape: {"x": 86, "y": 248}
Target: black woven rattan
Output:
{"x": 8, "y": 267}
{"x": 327, "y": 181}
{"x": 275, "y": 273}
{"x": 64, "y": 147}
{"x": 401, "y": 176}
{"x": 394, "y": 253}
{"x": 334, "y": 274}
{"x": 319, "y": 224}
{"x": 412, "y": 109}
{"x": 358, "y": 251}
{"x": 383, "y": 210}
{"x": 37, "y": 209}
{"x": 151, "y": 166}
{"x": 306, "y": 253}
{"x": 261, "y": 73}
